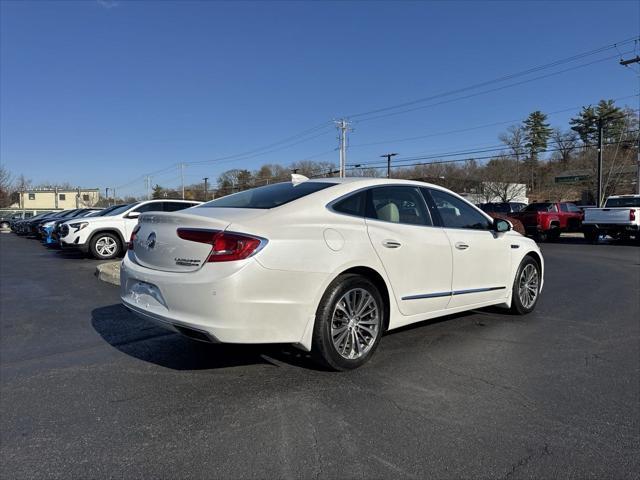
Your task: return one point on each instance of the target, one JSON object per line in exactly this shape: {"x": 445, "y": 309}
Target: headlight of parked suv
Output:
{"x": 78, "y": 226}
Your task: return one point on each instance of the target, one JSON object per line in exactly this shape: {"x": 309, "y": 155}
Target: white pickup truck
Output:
{"x": 620, "y": 218}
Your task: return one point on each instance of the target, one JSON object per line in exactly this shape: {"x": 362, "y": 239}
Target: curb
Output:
{"x": 109, "y": 272}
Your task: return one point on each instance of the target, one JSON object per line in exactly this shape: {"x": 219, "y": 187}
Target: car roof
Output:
{"x": 367, "y": 181}
{"x": 153, "y": 200}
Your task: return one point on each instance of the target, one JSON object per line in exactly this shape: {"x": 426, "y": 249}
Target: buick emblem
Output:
{"x": 151, "y": 241}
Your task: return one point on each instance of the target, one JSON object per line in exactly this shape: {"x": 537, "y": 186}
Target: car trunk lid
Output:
{"x": 157, "y": 245}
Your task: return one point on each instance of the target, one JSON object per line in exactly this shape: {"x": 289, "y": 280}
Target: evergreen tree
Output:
{"x": 585, "y": 124}
{"x": 536, "y": 135}
{"x": 158, "y": 192}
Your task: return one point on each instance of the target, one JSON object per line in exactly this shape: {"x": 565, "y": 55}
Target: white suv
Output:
{"x": 106, "y": 236}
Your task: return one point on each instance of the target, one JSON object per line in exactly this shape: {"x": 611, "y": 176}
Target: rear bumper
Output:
{"x": 611, "y": 227}
{"x": 248, "y": 304}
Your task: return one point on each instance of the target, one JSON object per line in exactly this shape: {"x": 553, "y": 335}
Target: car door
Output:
{"x": 415, "y": 254}
{"x": 481, "y": 256}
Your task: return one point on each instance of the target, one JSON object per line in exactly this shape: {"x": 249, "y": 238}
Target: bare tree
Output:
{"x": 515, "y": 139}
{"x": 498, "y": 181}
{"x": 565, "y": 143}
{"x": 5, "y": 187}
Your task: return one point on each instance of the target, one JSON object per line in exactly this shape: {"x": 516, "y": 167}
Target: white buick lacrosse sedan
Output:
{"x": 328, "y": 265}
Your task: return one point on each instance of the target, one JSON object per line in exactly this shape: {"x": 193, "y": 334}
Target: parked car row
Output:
{"x": 103, "y": 233}
{"x": 620, "y": 218}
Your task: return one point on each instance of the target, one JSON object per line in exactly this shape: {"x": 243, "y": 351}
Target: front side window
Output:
{"x": 572, "y": 208}
{"x": 564, "y": 207}
{"x": 398, "y": 204}
{"x": 269, "y": 196}
{"x": 456, "y": 213}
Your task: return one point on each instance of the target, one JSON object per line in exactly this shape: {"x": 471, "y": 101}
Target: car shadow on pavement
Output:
{"x": 607, "y": 241}
{"x": 146, "y": 341}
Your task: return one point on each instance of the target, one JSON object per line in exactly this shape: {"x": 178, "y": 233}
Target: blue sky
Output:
{"x": 100, "y": 93}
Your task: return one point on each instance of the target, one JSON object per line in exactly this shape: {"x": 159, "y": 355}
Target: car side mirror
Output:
{"x": 501, "y": 225}
{"x": 133, "y": 214}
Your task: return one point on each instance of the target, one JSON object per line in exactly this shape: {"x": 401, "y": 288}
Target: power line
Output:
{"x": 477, "y": 127}
{"x": 457, "y": 160}
{"x": 499, "y": 79}
{"x": 483, "y": 92}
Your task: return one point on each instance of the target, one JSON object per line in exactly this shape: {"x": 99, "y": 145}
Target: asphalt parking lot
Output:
{"x": 89, "y": 391}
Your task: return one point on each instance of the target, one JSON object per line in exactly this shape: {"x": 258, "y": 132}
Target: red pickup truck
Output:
{"x": 547, "y": 220}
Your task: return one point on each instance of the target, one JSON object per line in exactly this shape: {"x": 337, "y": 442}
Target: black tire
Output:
{"x": 554, "y": 234}
{"x": 591, "y": 235}
{"x": 542, "y": 236}
{"x": 323, "y": 349}
{"x": 517, "y": 304}
{"x": 98, "y": 244}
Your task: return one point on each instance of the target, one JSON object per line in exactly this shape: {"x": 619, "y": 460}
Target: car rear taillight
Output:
{"x": 133, "y": 236}
{"x": 632, "y": 215}
{"x": 225, "y": 246}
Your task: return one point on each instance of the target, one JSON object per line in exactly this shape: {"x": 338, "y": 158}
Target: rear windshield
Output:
{"x": 623, "y": 202}
{"x": 269, "y": 196}
{"x": 539, "y": 207}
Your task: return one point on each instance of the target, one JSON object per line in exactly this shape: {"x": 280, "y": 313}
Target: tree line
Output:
{"x": 535, "y": 154}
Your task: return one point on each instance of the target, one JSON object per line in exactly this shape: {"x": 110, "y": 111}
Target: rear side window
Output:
{"x": 150, "y": 207}
{"x": 175, "y": 206}
{"x": 352, "y": 205}
{"x": 269, "y": 196}
{"x": 398, "y": 204}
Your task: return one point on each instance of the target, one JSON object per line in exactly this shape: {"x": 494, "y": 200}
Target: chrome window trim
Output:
{"x": 452, "y": 293}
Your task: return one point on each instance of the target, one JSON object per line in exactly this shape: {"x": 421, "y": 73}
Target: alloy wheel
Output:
{"x": 106, "y": 246}
{"x": 528, "y": 286}
{"x": 355, "y": 324}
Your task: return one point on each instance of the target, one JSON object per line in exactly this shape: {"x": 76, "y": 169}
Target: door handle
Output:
{"x": 391, "y": 244}
{"x": 461, "y": 246}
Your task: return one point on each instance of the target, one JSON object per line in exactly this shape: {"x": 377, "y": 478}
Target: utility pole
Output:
{"x": 106, "y": 195}
{"x": 388, "y": 156}
{"x": 343, "y": 128}
{"x": 182, "y": 178}
{"x": 599, "y": 188}
{"x": 626, "y": 63}
{"x": 147, "y": 184}
{"x": 206, "y": 179}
